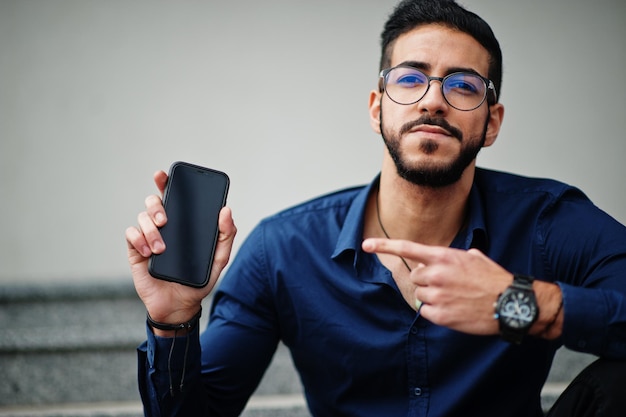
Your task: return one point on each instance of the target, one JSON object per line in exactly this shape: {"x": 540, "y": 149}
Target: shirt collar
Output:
{"x": 351, "y": 235}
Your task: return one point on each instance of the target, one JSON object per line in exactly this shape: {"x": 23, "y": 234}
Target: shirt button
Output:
{"x": 413, "y": 330}
{"x": 417, "y": 391}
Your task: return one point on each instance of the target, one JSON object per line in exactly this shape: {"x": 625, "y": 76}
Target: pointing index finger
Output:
{"x": 404, "y": 248}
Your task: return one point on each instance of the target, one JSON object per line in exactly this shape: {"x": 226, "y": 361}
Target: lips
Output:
{"x": 433, "y": 127}
{"x": 430, "y": 129}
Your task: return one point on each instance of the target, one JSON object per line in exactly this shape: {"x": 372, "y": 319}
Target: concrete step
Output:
{"x": 259, "y": 406}
{"x": 70, "y": 351}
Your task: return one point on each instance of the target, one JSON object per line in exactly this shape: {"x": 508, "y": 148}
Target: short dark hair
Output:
{"x": 410, "y": 14}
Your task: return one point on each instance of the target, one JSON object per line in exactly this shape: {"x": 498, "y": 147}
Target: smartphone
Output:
{"x": 192, "y": 199}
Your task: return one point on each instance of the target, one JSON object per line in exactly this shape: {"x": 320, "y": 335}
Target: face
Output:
{"x": 431, "y": 143}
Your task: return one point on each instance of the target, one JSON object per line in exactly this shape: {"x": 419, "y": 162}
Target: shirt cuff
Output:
{"x": 185, "y": 351}
{"x": 585, "y": 319}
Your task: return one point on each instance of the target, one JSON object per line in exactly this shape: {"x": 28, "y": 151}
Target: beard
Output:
{"x": 433, "y": 175}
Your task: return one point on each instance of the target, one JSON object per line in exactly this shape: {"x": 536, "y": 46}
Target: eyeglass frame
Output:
{"x": 489, "y": 86}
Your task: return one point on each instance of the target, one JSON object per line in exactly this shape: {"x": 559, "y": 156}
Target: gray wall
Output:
{"x": 97, "y": 95}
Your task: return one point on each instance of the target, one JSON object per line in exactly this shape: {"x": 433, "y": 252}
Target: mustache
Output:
{"x": 433, "y": 121}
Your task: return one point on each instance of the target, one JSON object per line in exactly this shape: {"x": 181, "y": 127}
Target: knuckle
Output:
{"x": 436, "y": 296}
{"x": 147, "y": 226}
{"x": 405, "y": 246}
{"x": 143, "y": 218}
{"x": 221, "y": 258}
{"x": 448, "y": 256}
{"x": 437, "y": 316}
{"x": 152, "y": 200}
{"x": 433, "y": 277}
{"x": 475, "y": 253}
{"x": 132, "y": 235}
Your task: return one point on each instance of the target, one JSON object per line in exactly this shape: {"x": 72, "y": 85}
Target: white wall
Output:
{"x": 97, "y": 95}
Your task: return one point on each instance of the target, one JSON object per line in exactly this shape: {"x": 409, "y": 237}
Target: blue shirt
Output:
{"x": 301, "y": 277}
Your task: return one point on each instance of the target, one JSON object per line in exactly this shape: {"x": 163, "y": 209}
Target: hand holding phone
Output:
{"x": 192, "y": 200}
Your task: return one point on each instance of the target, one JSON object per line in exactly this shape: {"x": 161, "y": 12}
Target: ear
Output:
{"x": 374, "y": 109}
{"x": 496, "y": 114}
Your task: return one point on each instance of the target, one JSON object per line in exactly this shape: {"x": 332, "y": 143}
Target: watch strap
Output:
{"x": 523, "y": 282}
{"x": 511, "y": 335}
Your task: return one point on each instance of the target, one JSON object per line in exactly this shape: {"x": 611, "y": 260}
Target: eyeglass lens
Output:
{"x": 464, "y": 91}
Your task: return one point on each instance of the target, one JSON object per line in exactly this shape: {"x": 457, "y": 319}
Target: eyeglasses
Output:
{"x": 462, "y": 90}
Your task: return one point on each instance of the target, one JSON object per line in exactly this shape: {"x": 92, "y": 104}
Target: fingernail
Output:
{"x": 158, "y": 246}
{"x": 160, "y": 218}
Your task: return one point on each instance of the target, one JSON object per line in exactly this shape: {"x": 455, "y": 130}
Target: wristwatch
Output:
{"x": 516, "y": 309}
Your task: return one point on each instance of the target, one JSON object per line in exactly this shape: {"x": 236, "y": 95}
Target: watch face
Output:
{"x": 517, "y": 309}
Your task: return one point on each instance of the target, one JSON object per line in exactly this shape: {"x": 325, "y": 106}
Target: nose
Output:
{"x": 433, "y": 101}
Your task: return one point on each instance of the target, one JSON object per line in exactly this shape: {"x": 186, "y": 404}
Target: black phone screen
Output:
{"x": 192, "y": 200}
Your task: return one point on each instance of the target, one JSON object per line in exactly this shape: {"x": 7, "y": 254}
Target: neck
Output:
{"x": 427, "y": 215}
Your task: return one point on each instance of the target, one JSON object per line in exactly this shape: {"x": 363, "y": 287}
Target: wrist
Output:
{"x": 174, "y": 327}
{"x": 550, "y": 322}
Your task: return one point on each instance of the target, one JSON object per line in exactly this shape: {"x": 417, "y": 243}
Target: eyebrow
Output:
{"x": 427, "y": 67}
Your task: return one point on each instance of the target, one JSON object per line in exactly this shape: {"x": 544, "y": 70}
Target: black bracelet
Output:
{"x": 175, "y": 327}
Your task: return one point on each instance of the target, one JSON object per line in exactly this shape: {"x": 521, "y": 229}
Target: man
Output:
{"x": 439, "y": 289}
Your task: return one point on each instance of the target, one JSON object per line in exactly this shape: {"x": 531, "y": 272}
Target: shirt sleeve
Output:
{"x": 243, "y": 331}
{"x": 215, "y": 373}
{"x": 595, "y": 321}
{"x": 584, "y": 251}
